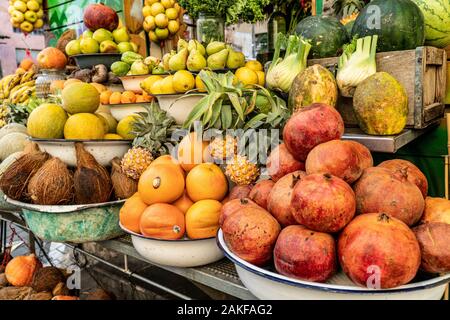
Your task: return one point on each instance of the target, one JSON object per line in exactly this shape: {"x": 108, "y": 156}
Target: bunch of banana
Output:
{"x": 16, "y": 88}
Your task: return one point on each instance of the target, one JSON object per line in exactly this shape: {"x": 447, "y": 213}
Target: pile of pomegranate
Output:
{"x": 327, "y": 207}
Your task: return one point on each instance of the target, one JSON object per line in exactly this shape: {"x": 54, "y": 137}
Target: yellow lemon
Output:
{"x": 261, "y": 78}
{"x": 172, "y": 13}
{"x": 161, "y": 20}
{"x": 167, "y": 85}
{"x": 247, "y": 76}
{"x": 167, "y": 3}
{"x": 157, "y": 8}
{"x": 147, "y": 84}
{"x": 147, "y": 11}
{"x": 183, "y": 81}
{"x": 149, "y": 23}
{"x": 156, "y": 87}
{"x": 173, "y": 26}
{"x": 152, "y": 36}
{"x": 254, "y": 65}
{"x": 125, "y": 127}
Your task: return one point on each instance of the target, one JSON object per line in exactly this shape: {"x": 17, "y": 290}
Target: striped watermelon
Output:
{"x": 437, "y": 21}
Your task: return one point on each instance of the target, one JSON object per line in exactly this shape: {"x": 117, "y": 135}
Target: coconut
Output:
{"x": 14, "y": 181}
{"x": 91, "y": 181}
{"x": 124, "y": 187}
{"x": 46, "y": 279}
{"x": 60, "y": 290}
{"x": 52, "y": 184}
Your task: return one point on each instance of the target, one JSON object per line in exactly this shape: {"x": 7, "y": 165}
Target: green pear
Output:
{"x": 182, "y": 44}
{"x": 215, "y": 47}
{"x": 218, "y": 60}
{"x": 166, "y": 59}
{"x": 195, "y": 45}
{"x": 178, "y": 61}
{"x": 196, "y": 61}
{"x": 235, "y": 59}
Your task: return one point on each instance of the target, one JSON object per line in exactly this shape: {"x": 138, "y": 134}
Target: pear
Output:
{"x": 182, "y": 44}
{"x": 166, "y": 58}
{"x": 218, "y": 60}
{"x": 196, "y": 61}
{"x": 195, "y": 45}
{"x": 235, "y": 59}
{"x": 215, "y": 47}
{"x": 178, "y": 61}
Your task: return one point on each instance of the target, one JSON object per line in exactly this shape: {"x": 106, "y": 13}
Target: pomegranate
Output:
{"x": 260, "y": 192}
{"x": 305, "y": 254}
{"x": 381, "y": 190}
{"x": 98, "y": 16}
{"x": 378, "y": 251}
{"x": 240, "y": 192}
{"x": 235, "y": 205}
{"x": 251, "y": 234}
{"x": 413, "y": 174}
{"x": 281, "y": 162}
{"x": 436, "y": 210}
{"x": 279, "y": 203}
{"x": 434, "y": 241}
{"x": 337, "y": 158}
{"x": 323, "y": 203}
{"x": 365, "y": 157}
{"x": 310, "y": 127}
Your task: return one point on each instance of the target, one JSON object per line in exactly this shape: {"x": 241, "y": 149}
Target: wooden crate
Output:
{"x": 422, "y": 72}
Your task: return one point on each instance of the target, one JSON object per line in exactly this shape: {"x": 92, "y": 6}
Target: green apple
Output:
{"x": 31, "y": 16}
{"x": 87, "y": 34}
{"x": 89, "y": 45}
{"x": 101, "y": 35}
{"x": 121, "y": 35}
{"x": 124, "y": 47}
{"x": 108, "y": 46}
{"x": 73, "y": 47}
{"x": 135, "y": 47}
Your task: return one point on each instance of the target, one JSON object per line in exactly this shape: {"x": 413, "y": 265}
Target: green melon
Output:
{"x": 80, "y": 97}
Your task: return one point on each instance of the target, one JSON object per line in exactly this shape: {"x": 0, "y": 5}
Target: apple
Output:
{"x": 17, "y": 16}
{"x": 40, "y": 13}
{"x": 73, "y": 47}
{"x": 26, "y": 26}
{"x": 89, "y": 45}
{"x": 124, "y": 47}
{"x": 33, "y": 5}
{"x": 135, "y": 47}
{"x": 108, "y": 46}
{"x": 121, "y": 35}
{"x": 149, "y": 23}
{"x": 101, "y": 35}
{"x": 39, "y": 23}
{"x": 31, "y": 16}
{"x": 20, "y": 5}
{"x": 87, "y": 34}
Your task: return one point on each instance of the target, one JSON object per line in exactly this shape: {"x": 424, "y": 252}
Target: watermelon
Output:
{"x": 399, "y": 24}
{"x": 437, "y": 21}
{"x": 327, "y": 35}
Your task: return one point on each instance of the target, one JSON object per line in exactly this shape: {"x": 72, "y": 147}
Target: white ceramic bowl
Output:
{"x": 102, "y": 150}
{"x": 133, "y": 83}
{"x": 178, "y": 105}
{"x": 184, "y": 253}
{"x": 120, "y": 111}
{"x": 268, "y": 285}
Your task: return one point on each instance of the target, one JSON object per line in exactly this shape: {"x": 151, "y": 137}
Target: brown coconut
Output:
{"x": 91, "y": 180}
{"x": 52, "y": 184}
{"x": 124, "y": 187}
{"x": 46, "y": 279}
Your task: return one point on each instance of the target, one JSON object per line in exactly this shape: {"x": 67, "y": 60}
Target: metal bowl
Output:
{"x": 87, "y": 61}
{"x": 73, "y": 223}
{"x": 102, "y": 150}
{"x": 184, "y": 253}
{"x": 120, "y": 111}
{"x": 265, "y": 284}
{"x": 178, "y": 105}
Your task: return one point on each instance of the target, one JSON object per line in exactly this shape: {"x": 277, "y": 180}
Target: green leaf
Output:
{"x": 255, "y": 122}
{"x": 198, "y": 111}
{"x": 252, "y": 104}
{"x": 226, "y": 116}
{"x": 217, "y": 108}
{"x": 234, "y": 99}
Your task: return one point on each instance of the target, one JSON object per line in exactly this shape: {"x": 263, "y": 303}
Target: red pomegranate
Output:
{"x": 412, "y": 173}
{"x": 260, "y": 192}
{"x": 233, "y": 206}
{"x": 240, "y": 192}
{"x": 98, "y": 16}
{"x": 305, "y": 254}
{"x": 280, "y": 162}
{"x": 323, "y": 203}
{"x": 336, "y": 157}
{"x": 381, "y": 190}
{"x": 251, "y": 234}
{"x": 365, "y": 157}
{"x": 310, "y": 127}
{"x": 378, "y": 251}
{"x": 279, "y": 203}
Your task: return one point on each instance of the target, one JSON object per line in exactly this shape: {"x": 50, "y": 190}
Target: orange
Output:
{"x": 139, "y": 98}
{"x": 115, "y": 98}
{"x": 100, "y": 88}
{"x": 130, "y": 213}
{"x": 192, "y": 151}
{"x": 202, "y": 219}
{"x": 161, "y": 183}
{"x": 183, "y": 203}
{"x": 105, "y": 96}
{"x": 206, "y": 181}
{"x": 56, "y": 85}
{"x": 163, "y": 221}
{"x": 128, "y": 97}
{"x": 168, "y": 160}
{"x": 146, "y": 97}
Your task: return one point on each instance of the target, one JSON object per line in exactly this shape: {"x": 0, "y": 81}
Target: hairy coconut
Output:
{"x": 52, "y": 184}
{"x": 60, "y": 290}
{"x": 46, "y": 279}
{"x": 124, "y": 187}
{"x": 91, "y": 181}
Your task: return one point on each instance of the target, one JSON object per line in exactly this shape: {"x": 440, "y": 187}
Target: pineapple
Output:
{"x": 136, "y": 161}
{"x": 241, "y": 171}
{"x": 222, "y": 149}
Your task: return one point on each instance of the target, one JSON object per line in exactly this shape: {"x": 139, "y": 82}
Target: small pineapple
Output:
{"x": 136, "y": 161}
{"x": 222, "y": 149}
{"x": 241, "y": 171}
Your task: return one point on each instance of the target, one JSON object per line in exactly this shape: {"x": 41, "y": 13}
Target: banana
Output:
{"x": 5, "y": 84}
{"x": 27, "y": 77}
{"x": 17, "y": 94}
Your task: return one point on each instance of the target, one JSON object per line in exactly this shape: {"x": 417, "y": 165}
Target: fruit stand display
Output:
{"x": 203, "y": 158}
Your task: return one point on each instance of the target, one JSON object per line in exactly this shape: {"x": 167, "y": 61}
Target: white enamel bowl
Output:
{"x": 178, "y": 105}
{"x": 268, "y": 285}
{"x": 184, "y": 253}
{"x": 120, "y": 111}
{"x": 102, "y": 150}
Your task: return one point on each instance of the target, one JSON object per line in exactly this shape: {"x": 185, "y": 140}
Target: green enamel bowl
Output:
{"x": 4, "y": 205}
{"x": 74, "y": 223}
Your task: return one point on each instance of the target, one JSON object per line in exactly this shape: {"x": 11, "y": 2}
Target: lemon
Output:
{"x": 167, "y": 85}
{"x": 167, "y": 3}
{"x": 156, "y": 87}
{"x": 147, "y": 84}
{"x": 84, "y": 126}
{"x": 247, "y": 76}
{"x": 112, "y": 136}
{"x": 47, "y": 122}
{"x": 183, "y": 81}
{"x": 125, "y": 127}
{"x": 261, "y": 78}
{"x": 199, "y": 84}
{"x": 172, "y": 13}
{"x": 157, "y": 8}
{"x": 147, "y": 11}
{"x": 254, "y": 65}
{"x": 173, "y": 26}
{"x": 149, "y": 23}
{"x": 161, "y": 20}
